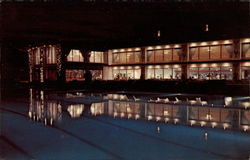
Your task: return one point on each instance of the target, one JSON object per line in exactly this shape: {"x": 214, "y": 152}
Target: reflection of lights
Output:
{"x": 128, "y": 109}
{"x": 228, "y": 101}
{"x": 30, "y": 114}
{"x": 166, "y": 120}
{"x": 202, "y": 123}
{"x": 115, "y": 114}
{"x": 214, "y": 124}
{"x": 137, "y": 116}
{"x": 129, "y": 115}
{"x": 51, "y": 121}
{"x": 208, "y": 116}
{"x": 225, "y": 126}
{"x": 165, "y": 113}
{"x": 75, "y": 110}
{"x": 192, "y": 122}
{"x": 115, "y": 96}
{"x": 150, "y": 118}
{"x": 245, "y": 104}
{"x": 158, "y": 118}
{"x": 45, "y": 121}
{"x": 122, "y": 114}
{"x": 176, "y": 120}
{"x": 245, "y": 128}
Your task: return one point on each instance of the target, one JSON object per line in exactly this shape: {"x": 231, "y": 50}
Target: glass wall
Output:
{"x": 128, "y": 57}
{"x": 163, "y": 72}
{"x": 96, "y": 57}
{"x": 75, "y": 56}
{"x": 212, "y": 52}
{"x": 96, "y": 74}
{"x": 245, "y": 50}
{"x": 245, "y": 71}
{"x": 126, "y": 73}
{"x": 74, "y": 74}
{"x": 163, "y": 55}
{"x": 215, "y": 71}
{"x": 50, "y": 55}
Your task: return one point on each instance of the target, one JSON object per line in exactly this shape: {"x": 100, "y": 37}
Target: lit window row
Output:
{"x": 126, "y": 57}
{"x": 96, "y": 57}
{"x": 78, "y": 74}
{"x": 164, "y": 55}
{"x": 211, "y": 52}
{"x": 163, "y": 72}
{"x": 75, "y": 56}
{"x": 49, "y": 55}
{"x": 210, "y": 71}
{"x": 126, "y": 73}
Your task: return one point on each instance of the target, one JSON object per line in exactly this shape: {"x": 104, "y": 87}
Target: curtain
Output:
{"x": 192, "y": 52}
{"x": 245, "y": 48}
{"x": 230, "y": 50}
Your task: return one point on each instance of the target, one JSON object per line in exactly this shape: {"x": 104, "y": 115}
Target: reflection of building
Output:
{"x": 120, "y": 106}
{"x": 214, "y": 60}
{"x": 75, "y": 110}
{"x": 42, "y": 109}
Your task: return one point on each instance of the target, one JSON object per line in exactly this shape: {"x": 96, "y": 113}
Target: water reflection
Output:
{"x": 231, "y": 115}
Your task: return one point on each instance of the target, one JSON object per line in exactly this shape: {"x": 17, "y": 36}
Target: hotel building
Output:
{"x": 211, "y": 60}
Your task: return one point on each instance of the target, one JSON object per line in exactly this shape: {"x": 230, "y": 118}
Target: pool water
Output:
{"x": 80, "y": 125}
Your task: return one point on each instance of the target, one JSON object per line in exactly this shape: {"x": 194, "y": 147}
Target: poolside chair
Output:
{"x": 177, "y": 100}
{"x": 199, "y": 101}
{"x": 192, "y": 102}
{"x": 136, "y": 99}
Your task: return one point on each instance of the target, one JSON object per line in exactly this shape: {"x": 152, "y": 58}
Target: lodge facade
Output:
{"x": 213, "y": 60}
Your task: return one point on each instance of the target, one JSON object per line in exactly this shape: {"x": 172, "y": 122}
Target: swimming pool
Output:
{"x": 124, "y": 125}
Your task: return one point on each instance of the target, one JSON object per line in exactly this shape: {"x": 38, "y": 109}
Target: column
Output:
{"x": 31, "y": 60}
{"x": 86, "y": 55}
{"x": 236, "y": 65}
{"x": 62, "y": 54}
{"x": 184, "y": 59}
{"x": 42, "y": 55}
{"x": 143, "y": 70}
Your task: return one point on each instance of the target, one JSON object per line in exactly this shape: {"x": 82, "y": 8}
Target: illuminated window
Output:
{"x": 158, "y": 55}
{"x": 50, "y": 55}
{"x": 215, "y": 52}
{"x": 160, "y": 72}
{"x": 127, "y": 57}
{"x": 74, "y": 74}
{"x": 96, "y": 74}
{"x": 126, "y": 74}
{"x": 246, "y": 50}
{"x": 211, "y": 52}
{"x": 75, "y": 56}
{"x": 150, "y": 56}
{"x": 168, "y": 55}
{"x": 37, "y": 55}
{"x": 96, "y": 57}
{"x": 210, "y": 72}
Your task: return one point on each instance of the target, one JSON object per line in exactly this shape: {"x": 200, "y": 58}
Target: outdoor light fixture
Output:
{"x": 206, "y": 28}
{"x": 158, "y": 33}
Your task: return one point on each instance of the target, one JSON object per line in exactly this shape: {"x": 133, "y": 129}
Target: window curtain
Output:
{"x": 230, "y": 50}
{"x": 149, "y": 54}
{"x": 245, "y": 48}
{"x": 192, "y": 52}
{"x": 179, "y": 52}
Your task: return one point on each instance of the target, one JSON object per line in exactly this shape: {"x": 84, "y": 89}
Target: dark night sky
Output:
{"x": 97, "y": 25}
